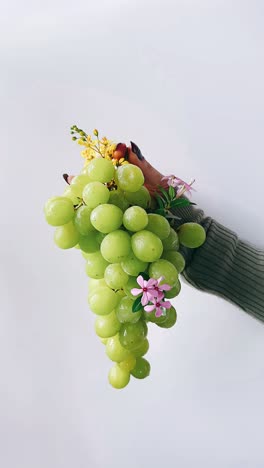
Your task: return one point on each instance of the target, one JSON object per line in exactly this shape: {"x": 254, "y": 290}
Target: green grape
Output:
{"x": 124, "y": 311}
{"x": 66, "y": 236}
{"x": 164, "y": 268}
{"x": 172, "y": 241}
{"x": 116, "y": 246}
{"x": 140, "y": 198}
{"x": 84, "y": 170}
{"x": 88, "y": 243}
{"x": 128, "y": 364}
{"x": 135, "y": 218}
{"x": 146, "y": 246}
{"x": 95, "y": 265}
{"x": 68, "y": 193}
{"x": 101, "y": 170}
{"x": 94, "y": 194}
{"x": 117, "y": 198}
{"x": 95, "y": 284}
{"x": 132, "y": 283}
{"x": 191, "y": 235}
{"x": 175, "y": 258}
{"x": 171, "y": 318}
{"x": 132, "y": 265}
{"x": 121, "y": 293}
{"x": 131, "y": 335}
{"x": 141, "y": 369}
{"x": 115, "y": 276}
{"x": 78, "y": 183}
{"x": 107, "y": 325}
{"x": 129, "y": 178}
{"x": 158, "y": 225}
{"x": 58, "y": 211}
{"x": 99, "y": 237}
{"x": 142, "y": 349}
{"x": 151, "y": 317}
{"x": 174, "y": 291}
{"x": 115, "y": 350}
{"x": 102, "y": 301}
{"x": 118, "y": 377}
{"x": 106, "y": 218}
{"x": 82, "y": 220}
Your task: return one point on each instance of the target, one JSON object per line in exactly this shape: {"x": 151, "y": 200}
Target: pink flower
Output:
{"x": 174, "y": 181}
{"x": 146, "y": 289}
{"x": 159, "y": 306}
{"x": 159, "y": 288}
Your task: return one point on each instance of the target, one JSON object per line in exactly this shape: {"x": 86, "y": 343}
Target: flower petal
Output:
{"x": 140, "y": 281}
{"x": 136, "y": 291}
{"x": 160, "y": 296}
{"x": 165, "y": 287}
{"x": 151, "y": 282}
{"x": 156, "y": 293}
{"x": 161, "y": 278}
{"x": 167, "y": 177}
{"x": 144, "y": 299}
{"x": 158, "y": 312}
{"x": 166, "y": 304}
{"x": 149, "y": 308}
{"x": 151, "y": 296}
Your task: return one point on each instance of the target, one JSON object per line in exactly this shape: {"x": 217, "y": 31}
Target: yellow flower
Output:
{"x": 96, "y": 148}
{"x": 81, "y": 142}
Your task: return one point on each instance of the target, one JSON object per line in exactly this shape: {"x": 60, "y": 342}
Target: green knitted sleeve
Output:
{"x": 224, "y": 265}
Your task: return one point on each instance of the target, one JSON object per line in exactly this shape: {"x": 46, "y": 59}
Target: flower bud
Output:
{"x": 120, "y": 151}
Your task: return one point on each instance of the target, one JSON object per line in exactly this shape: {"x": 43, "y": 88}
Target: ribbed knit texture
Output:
{"x": 224, "y": 265}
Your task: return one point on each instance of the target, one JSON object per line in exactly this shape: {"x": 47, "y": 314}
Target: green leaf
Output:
{"x": 144, "y": 275}
{"x": 137, "y": 304}
{"x": 165, "y": 194}
{"x": 160, "y": 211}
{"x": 161, "y": 198}
{"x": 171, "y": 192}
{"x": 160, "y": 201}
{"x": 179, "y": 202}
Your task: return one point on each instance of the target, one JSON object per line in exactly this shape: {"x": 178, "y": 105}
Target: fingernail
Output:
{"x": 65, "y": 177}
{"x": 137, "y": 151}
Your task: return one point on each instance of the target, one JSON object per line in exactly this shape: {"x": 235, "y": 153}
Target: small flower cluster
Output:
{"x": 179, "y": 184}
{"x": 152, "y": 295}
{"x": 95, "y": 147}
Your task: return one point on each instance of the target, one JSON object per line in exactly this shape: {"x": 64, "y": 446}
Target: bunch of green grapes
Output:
{"x": 105, "y": 213}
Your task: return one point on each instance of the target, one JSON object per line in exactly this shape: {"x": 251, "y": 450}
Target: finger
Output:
{"x": 133, "y": 159}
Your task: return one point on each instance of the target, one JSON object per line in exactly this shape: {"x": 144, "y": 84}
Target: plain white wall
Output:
{"x": 184, "y": 80}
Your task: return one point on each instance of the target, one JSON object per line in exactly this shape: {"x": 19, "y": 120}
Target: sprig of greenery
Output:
{"x": 167, "y": 200}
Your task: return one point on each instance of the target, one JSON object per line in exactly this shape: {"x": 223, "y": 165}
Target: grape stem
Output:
{"x": 78, "y": 206}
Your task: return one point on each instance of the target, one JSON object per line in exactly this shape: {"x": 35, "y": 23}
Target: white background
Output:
{"x": 184, "y": 80}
